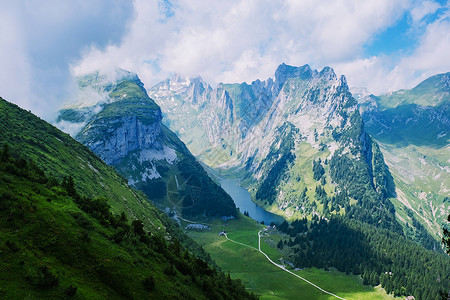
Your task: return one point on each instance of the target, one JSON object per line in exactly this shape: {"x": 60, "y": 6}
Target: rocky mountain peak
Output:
{"x": 327, "y": 73}
{"x": 284, "y": 72}
{"x": 127, "y": 132}
{"x": 445, "y": 81}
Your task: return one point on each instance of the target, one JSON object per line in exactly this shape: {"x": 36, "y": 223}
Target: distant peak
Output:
{"x": 445, "y": 80}
{"x": 103, "y": 78}
{"x": 196, "y": 80}
{"x": 328, "y": 73}
{"x": 439, "y": 81}
{"x": 283, "y": 69}
{"x": 178, "y": 78}
{"x": 284, "y": 72}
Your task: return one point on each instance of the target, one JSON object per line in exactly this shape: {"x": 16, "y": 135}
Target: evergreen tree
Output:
{"x": 446, "y": 237}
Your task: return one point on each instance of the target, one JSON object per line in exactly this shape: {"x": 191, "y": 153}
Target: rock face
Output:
{"x": 230, "y": 117}
{"x": 123, "y": 127}
{"x": 122, "y": 135}
{"x": 278, "y": 134}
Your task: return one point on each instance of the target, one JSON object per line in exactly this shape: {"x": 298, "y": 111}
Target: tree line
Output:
{"x": 378, "y": 255}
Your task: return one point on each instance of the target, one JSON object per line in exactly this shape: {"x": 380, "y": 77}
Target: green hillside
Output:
{"x": 60, "y": 155}
{"x": 63, "y": 234}
{"x": 434, "y": 91}
{"x": 413, "y": 130}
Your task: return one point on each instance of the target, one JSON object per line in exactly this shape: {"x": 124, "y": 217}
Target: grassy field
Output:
{"x": 265, "y": 279}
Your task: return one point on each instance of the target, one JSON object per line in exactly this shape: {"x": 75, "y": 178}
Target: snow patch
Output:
{"x": 131, "y": 182}
{"x": 167, "y": 154}
{"x": 150, "y": 174}
{"x": 422, "y": 161}
{"x": 332, "y": 147}
{"x": 423, "y": 196}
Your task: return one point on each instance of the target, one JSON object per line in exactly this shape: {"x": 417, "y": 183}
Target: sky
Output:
{"x": 381, "y": 45}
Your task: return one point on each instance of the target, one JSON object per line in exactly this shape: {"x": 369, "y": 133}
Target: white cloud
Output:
{"x": 433, "y": 54}
{"x": 424, "y": 9}
{"x": 41, "y": 37}
{"x": 229, "y": 41}
{"x": 14, "y": 62}
{"x": 384, "y": 73}
{"x": 243, "y": 40}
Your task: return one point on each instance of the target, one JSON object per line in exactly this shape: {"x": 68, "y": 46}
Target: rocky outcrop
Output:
{"x": 234, "y": 121}
{"x": 121, "y": 136}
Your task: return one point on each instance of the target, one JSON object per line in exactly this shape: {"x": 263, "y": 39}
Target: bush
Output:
{"x": 71, "y": 291}
{"x": 149, "y": 283}
{"x": 43, "y": 278}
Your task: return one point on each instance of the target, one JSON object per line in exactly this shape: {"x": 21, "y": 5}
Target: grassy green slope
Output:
{"x": 422, "y": 183}
{"x": 268, "y": 281}
{"x": 433, "y": 91}
{"x": 59, "y": 155}
{"x": 56, "y": 244}
{"x": 413, "y": 130}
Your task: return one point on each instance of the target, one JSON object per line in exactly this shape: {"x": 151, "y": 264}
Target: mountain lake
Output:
{"x": 244, "y": 202}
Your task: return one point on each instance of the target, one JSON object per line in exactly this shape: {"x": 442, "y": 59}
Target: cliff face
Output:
{"x": 121, "y": 135}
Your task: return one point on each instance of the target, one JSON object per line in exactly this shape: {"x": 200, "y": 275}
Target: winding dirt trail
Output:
{"x": 281, "y": 266}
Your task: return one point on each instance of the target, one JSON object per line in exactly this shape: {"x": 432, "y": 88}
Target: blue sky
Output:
{"x": 402, "y": 37}
{"x": 382, "y": 45}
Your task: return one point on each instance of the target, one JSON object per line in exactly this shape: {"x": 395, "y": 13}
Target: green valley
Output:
{"x": 266, "y": 280}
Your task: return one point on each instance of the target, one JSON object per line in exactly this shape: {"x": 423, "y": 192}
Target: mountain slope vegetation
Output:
{"x": 379, "y": 256}
{"x": 64, "y": 236}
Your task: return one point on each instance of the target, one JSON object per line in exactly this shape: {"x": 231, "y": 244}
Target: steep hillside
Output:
{"x": 63, "y": 235}
{"x": 60, "y": 155}
{"x": 413, "y": 129}
{"x": 298, "y": 140}
{"x": 123, "y": 126}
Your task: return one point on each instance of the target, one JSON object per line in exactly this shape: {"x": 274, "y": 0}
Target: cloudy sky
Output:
{"x": 382, "y": 45}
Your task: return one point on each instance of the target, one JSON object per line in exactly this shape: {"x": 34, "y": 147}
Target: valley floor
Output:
{"x": 267, "y": 280}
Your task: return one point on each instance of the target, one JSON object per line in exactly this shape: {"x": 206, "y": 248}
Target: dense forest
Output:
{"x": 56, "y": 243}
{"x": 379, "y": 255}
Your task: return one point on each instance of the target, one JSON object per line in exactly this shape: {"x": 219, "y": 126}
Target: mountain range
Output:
{"x": 412, "y": 128}
{"x": 302, "y": 138}
{"x": 302, "y": 145}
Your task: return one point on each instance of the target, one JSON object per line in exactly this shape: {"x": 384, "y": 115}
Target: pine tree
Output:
{"x": 446, "y": 237}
